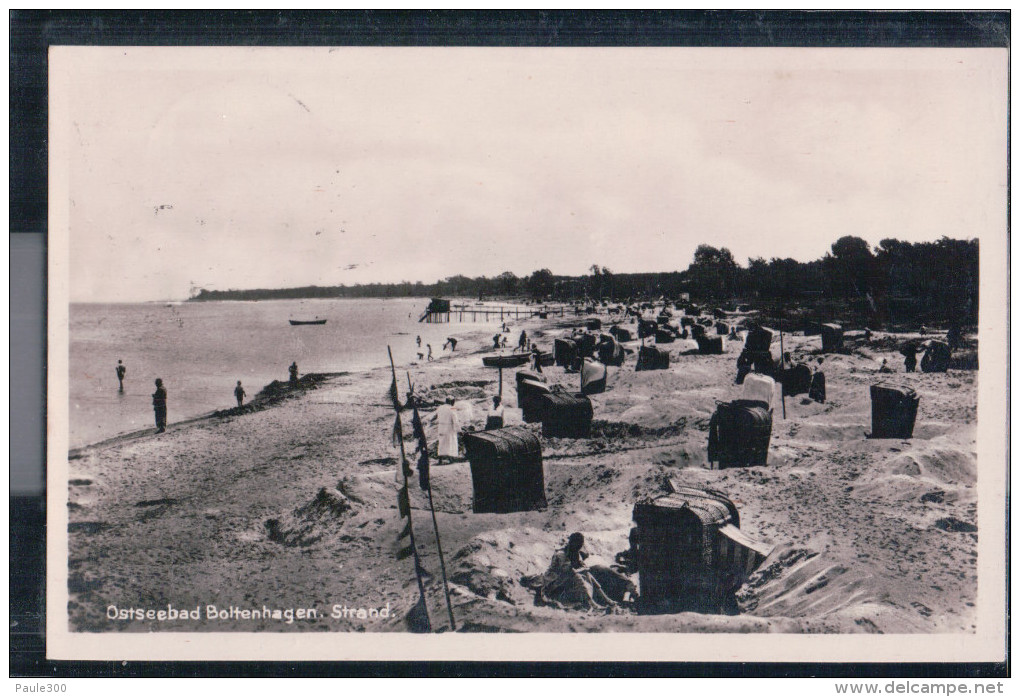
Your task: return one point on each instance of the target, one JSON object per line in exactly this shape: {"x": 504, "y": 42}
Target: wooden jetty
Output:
{"x": 463, "y": 313}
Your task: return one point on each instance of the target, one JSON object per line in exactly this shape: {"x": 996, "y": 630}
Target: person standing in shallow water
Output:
{"x": 159, "y": 406}
{"x": 121, "y": 372}
{"x": 239, "y": 393}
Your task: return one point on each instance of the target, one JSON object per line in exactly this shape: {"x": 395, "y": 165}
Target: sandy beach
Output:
{"x": 293, "y": 506}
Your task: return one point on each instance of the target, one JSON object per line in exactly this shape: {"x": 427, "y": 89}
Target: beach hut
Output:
{"x": 646, "y": 328}
{"x": 610, "y": 352}
{"x": 586, "y": 345}
{"x": 690, "y": 552}
{"x": 711, "y": 345}
{"x": 739, "y": 434}
{"x": 620, "y": 333}
{"x": 664, "y": 335}
{"x": 506, "y": 470}
{"x": 593, "y": 377}
{"x": 564, "y": 352}
{"x": 438, "y": 305}
{"x": 795, "y": 380}
{"x": 759, "y": 339}
{"x": 936, "y": 357}
{"x": 652, "y": 358}
{"x": 759, "y": 388}
{"x": 529, "y": 399}
{"x": 566, "y": 415}
{"x": 521, "y": 375}
{"x": 593, "y": 324}
{"x": 893, "y": 410}
{"x": 832, "y": 338}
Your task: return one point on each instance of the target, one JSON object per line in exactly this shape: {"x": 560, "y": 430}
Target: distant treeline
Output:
{"x": 894, "y": 282}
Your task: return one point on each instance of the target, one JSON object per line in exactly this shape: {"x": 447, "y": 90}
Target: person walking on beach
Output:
{"x": 159, "y": 406}
{"x": 522, "y": 343}
{"x": 536, "y": 355}
{"x": 418, "y": 339}
{"x": 239, "y": 393}
{"x": 495, "y": 341}
{"x": 430, "y": 351}
{"x": 293, "y": 373}
{"x": 446, "y": 418}
{"x": 121, "y": 372}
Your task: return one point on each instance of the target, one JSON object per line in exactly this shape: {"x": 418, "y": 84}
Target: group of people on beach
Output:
{"x": 159, "y": 397}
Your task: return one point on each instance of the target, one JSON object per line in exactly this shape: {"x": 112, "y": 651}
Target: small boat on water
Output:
{"x": 306, "y": 321}
{"x": 511, "y": 361}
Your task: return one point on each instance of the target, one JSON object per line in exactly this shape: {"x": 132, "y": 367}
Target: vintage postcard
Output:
{"x": 635, "y": 354}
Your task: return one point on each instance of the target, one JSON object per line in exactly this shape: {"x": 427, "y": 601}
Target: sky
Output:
{"x": 219, "y": 168}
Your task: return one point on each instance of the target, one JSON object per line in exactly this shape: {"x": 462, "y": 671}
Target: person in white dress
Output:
{"x": 446, "y": 419}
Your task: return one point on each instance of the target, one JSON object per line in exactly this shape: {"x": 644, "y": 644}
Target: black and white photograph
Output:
{"x": 642, "y": 353}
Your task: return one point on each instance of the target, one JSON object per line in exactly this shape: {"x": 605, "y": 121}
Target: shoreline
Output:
{"x": 294, "y": 505}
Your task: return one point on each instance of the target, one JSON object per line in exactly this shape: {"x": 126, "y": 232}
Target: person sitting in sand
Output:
{"x": 494, "y": 417}
{"x": 571, "y": 584}
{"x": 239, "y": 393}
{"x": 429, "y": 346}
{"x": 884, "y": 368}
{"x": 446, "y": 419}
{"x": 421, "y": 355}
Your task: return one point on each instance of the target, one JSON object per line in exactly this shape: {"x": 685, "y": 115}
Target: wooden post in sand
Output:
{"x": 782, "y": 364}
{"x": 435, "y": 525}
{"x": 403, "y": 498}
{"x": 501, "y": 383}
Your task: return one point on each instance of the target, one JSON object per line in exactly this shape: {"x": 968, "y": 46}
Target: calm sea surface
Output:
{"x": 201, "y": 350}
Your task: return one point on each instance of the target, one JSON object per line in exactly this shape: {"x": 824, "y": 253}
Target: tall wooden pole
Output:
{"x": 439, "y": 543}
{"x": 782, "y": 365}
{"x": 410, "y": 526}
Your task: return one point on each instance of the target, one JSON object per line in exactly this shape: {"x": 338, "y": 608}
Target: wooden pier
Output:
{"x": 468, "y": 314}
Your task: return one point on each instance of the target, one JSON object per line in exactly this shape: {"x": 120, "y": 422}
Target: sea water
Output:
{"x": 201, "y": 349}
